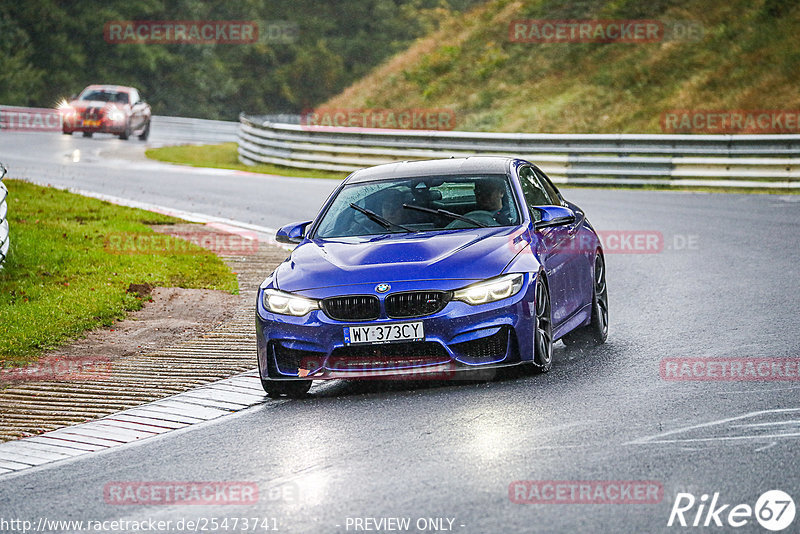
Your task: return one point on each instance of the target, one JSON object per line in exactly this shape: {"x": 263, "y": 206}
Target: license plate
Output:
{"x": 91, "y": 123}
{"x": 385, "y": 333}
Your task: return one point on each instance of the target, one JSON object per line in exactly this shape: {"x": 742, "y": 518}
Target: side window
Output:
{"x": 534, "y": 191}
{"x": 548, "y": 186}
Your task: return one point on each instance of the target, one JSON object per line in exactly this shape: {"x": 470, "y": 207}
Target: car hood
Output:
{"x": 472, "y": 254}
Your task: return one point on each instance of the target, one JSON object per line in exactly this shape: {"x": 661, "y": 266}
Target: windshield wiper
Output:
{"x": 386, "y": 223}
{"x": 446, "y": 213}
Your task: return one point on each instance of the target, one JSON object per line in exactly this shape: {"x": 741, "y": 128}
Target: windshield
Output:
{"x": 105, "y": 96}
{"x": 420, "y": 204}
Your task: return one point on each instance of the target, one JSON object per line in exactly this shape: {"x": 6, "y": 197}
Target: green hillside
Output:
{"x": 747, "y": 58}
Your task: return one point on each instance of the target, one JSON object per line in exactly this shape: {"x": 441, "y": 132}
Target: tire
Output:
{"x": 295, "y": 389}
{"x": 87, "y": 134}
{"x": 543, "y": 329}
{"x": 127, "y": 133}
{"x": 66, "y": 132}
{"x": 146, "y": 132}
{"x": 596, "y": 332}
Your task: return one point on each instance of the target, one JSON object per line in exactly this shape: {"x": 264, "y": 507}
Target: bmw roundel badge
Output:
{"x": 382, "y": 288}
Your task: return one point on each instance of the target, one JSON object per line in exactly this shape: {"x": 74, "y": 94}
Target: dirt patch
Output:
{"x": 174, "y": 314}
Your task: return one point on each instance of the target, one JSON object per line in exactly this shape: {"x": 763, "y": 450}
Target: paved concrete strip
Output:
{"x": 36, "y": 446}
{"x": 179, "y": 411}
{"x": 243, "y": 399}
{"x": 210, "y": 403}
{"x": 26, "y": 459}
{"x": 83, "y": 437}
{"x": 12, "y": 466}
{"x": 246, "y": 385}
{"x": 139, "y": 427}
{"x": 162, "y": 413}
{"x": 194, "y": 410}
{"x": 100, "y": 433}
{"x": 63, "y": 443}
{"x": 162, "y": 423}
{"x": 25, "y": 451}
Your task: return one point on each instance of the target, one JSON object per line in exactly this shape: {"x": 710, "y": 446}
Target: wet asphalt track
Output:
{"x": 726, "y": 284}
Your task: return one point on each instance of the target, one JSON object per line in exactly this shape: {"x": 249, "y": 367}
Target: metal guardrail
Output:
{"x": 202, "y": 131}
{"x": 5, "y": 238}
{"x": 771, "y": 161}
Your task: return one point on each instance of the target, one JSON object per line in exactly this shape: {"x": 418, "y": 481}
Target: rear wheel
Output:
{"x": 543, "y": 331}
{"x": 87, "y": 134}
{"x": 291, "y": 388}
{"x": 596, "y": 332}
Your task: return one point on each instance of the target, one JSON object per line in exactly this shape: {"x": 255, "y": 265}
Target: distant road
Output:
{"x": 105, "y": 164}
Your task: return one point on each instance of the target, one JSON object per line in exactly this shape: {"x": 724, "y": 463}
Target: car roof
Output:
{"x": 117, "y": 88}
{"x": 434, "y": 167}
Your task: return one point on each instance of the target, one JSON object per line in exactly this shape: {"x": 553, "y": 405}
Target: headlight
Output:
{"x": 490, "y": 290}
{"x": 65, "y": 109}
{"x": 115, "y": 115}
{"x": 288, "y": 304}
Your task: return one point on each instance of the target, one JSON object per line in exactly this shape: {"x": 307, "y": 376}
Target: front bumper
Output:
{"x": 104, "y": 125}
{"x": 460, "y": 337}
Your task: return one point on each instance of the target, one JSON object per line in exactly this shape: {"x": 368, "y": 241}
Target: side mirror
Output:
{"x": 554, "y": 216}
{"x": 292, "y": 234}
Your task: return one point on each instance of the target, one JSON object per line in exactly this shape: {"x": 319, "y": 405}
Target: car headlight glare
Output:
{"x": 115, "y": 114}
{"x": 288, "y": 304}
{"x": 490, "y": 290}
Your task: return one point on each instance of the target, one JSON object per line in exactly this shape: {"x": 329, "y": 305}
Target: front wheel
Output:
{"x": 145, "y": 133}
{"x": 543, "y": 329}
{"x": 596, "y": 332}
{"x": 294, "y": 389}
{"x": 127, "y": 132}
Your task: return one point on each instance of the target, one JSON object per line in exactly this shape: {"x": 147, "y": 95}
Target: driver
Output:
{"x": 489, "y": 194}
{"x": 392, "y": 206}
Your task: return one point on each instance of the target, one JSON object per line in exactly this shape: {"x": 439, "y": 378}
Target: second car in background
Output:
{"x": 114, "y": 109}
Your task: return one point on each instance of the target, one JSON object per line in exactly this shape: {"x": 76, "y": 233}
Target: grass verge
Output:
{"x": 61, "y": 279}
{"x": 224, "y": 156}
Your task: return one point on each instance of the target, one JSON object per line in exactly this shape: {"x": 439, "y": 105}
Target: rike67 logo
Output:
{"x": 774, "y": 510}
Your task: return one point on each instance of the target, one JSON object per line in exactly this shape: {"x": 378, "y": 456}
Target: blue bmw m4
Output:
{"x": 428, "y": 269}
